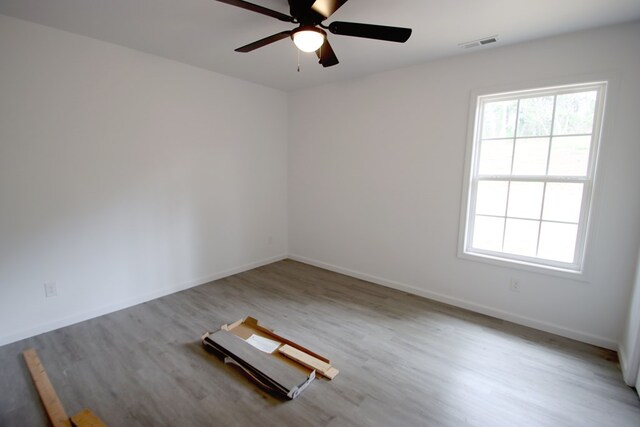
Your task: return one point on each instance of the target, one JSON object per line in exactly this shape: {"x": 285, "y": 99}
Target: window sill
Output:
{"x": 575, "y": 275}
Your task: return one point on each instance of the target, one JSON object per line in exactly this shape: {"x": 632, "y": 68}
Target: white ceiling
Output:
{"x": 205, "y": 33}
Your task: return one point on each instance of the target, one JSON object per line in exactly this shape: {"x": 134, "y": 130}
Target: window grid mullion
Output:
{"x": 535, "y": 178}
{"x": 538, "y": 136}
{"x": 506, "y": 209}
{"x": 530, "y": 219}
{"x": 513, "y": 155}
{"x": 553, "y": 124}
{"x": 544, "y": 188}
{"x": 544, "y": 193}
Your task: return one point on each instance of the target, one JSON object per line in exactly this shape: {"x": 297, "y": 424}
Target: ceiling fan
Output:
{"x": 310, "y": 35}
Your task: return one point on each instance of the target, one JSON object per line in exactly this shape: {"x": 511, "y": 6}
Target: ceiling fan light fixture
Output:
{"x": 308, "y": 38}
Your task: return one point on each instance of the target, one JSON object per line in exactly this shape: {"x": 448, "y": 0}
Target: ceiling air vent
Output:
{"x": 481, "y": 42}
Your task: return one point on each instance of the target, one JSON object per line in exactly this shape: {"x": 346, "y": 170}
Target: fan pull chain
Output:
{"x": 298, "y": 59}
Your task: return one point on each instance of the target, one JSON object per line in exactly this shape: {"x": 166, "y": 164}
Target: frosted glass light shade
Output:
{"x": 308, "y": 38}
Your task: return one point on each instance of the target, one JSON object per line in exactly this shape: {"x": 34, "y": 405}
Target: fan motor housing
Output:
{"x": 303, "y": 13}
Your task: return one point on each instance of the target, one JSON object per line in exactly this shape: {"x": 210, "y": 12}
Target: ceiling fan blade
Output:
{"x": 255, "y": 8}
{"x": 263, "y": 42}
{"x": 368, "y": 31}
{"x": 326, "y": 8}
{"x": 326, "y": 55}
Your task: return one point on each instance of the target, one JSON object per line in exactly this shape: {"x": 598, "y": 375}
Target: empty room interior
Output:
{"x": 319, "y": 213}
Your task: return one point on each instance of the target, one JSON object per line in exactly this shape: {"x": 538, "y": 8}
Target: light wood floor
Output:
{"x": 404, "y": 361}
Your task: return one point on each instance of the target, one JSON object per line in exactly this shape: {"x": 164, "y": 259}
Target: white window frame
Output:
{"x": 472, "y": 178}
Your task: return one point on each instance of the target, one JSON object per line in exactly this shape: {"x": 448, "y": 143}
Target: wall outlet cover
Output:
{"x": 50, "y": 290}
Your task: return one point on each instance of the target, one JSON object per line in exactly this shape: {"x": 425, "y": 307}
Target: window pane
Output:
{"x": 569, "y": 155}
{"x": 530, "y": 157}
{"x": 557, "y": 241}
{"x": 521, "y": 237}
{"x": 487, "y": 233}
{"x": 495, "y": 157}
{"x": 492, "y": 198}
{"x": 499, "y": 119}
{"x": 574, "y": 113}
{"x": 562, "y": 202}
{"x": 525, "y": 200}
{"x": 534, "y": 118}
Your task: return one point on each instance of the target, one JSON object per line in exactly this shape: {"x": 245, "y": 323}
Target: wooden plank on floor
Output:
{"x": 50, "y": 400}
{"x": 86, "y": 418}
{"x": 309, "y": 361}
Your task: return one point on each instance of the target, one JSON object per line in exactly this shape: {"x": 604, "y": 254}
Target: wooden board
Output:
{"x": 50, "y": 400}
{"x": 309, "y": 361}
{"x": 86, "y": 418}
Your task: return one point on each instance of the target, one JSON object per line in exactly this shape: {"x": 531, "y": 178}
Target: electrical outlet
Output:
{"x": 515, "y": 285}
{"x": 50, "y": 290}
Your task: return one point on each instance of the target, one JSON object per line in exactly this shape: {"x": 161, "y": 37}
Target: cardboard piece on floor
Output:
{"x": 260, "y": 366}
{"x": 248, "y": 326}
{"x": 271, "y": 360}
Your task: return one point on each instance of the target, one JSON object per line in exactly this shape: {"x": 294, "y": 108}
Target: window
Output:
{"x": 531, "y": 175}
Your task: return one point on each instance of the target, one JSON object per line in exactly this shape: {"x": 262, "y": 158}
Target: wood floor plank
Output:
{"x": 403, "y": 360}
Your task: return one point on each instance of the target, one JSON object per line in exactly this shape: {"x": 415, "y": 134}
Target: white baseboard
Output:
{"x": 469, "y": 305}
{"x": 110, "y": 308}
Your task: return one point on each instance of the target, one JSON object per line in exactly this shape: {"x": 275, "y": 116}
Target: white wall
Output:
{"x": 124, "y": 176}
{"x": 376, "y": 175}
